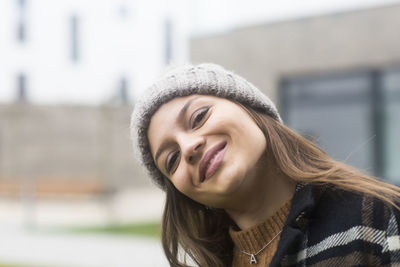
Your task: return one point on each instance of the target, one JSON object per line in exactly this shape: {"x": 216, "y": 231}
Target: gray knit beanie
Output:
{"x": 203, "y": 79}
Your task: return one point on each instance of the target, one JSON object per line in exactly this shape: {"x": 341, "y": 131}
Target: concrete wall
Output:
{"x": 77, "y": 144}
{"x": 265, "y": 53}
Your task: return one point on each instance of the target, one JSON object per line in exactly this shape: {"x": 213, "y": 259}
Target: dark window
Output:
{"x": 21, "y": 24}
{"x": 354, "y": 117}
{"x": 123, "y": 11}
{"x": 391, "y": 119}
{"x": 74, "y": 31}
{"x": 168, "y": 41}
{"x": 336, "y": 112}
{"x": 123, "y": 90}
{"x": 21, "y": 88}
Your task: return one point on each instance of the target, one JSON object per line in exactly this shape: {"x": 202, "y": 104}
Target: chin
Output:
{"x": 230, "y": 181}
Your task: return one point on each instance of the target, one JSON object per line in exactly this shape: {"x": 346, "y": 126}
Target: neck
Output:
{"x": 262, "y": 200}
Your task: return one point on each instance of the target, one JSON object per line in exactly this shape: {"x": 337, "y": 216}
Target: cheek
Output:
{"x": 245, "y": 132}
{"x": 182, "y": 181}
{"x": 256, "y": 145}
{"x": 248, "y": 144}
{"x": 226, "y": 126}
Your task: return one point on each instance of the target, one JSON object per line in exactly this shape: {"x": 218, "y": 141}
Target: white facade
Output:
{"x": 79, "y": 51}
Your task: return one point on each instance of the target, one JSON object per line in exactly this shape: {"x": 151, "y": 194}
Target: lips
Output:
{"x": 211, "y": 161}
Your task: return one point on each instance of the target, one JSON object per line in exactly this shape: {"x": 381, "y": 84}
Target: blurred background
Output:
{"x": 71, "y": 193}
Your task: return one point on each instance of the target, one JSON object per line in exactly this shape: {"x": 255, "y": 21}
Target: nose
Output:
{"x": 192, "y": 147}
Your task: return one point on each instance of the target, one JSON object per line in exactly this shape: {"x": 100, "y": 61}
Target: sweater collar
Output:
{"x": 254, "y": 238}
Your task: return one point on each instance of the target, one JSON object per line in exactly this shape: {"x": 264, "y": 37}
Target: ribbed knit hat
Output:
{"x": 203, "y": 79}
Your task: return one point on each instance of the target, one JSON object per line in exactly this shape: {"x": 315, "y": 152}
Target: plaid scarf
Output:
{"x": 327, "y": 226}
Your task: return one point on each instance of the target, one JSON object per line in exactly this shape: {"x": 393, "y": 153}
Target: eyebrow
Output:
{"x": 180, "y": 116}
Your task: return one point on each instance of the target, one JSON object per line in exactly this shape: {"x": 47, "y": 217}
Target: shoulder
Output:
{"x": 344, "y": 209}
{"x": 352, "y": 223}
{"x": 329, "y": 226}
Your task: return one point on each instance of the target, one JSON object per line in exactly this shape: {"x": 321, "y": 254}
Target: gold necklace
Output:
{"x": 253, "y": 259}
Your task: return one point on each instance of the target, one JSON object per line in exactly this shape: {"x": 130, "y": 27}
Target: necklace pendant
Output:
{"x": 253, "y": 259}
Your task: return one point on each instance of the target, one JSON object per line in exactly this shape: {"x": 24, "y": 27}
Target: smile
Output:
{"x": 211, "y": 161}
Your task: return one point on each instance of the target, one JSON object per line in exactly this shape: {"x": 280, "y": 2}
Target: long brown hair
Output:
{"x": 191, "y": 229}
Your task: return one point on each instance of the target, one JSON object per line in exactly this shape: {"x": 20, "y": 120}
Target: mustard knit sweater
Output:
{"x": 255, "y": 238}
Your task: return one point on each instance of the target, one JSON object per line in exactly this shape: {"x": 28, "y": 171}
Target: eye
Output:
{"x": 171, "y": 161}
{"x": 198, "y": 116}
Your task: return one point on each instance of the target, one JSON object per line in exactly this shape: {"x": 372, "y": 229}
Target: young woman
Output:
{"x": 242, "y": 189}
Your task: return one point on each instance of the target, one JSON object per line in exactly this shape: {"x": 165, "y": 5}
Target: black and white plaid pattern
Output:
{"x": 332, "y": 227}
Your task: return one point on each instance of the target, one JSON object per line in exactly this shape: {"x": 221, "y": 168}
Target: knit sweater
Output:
{"x": 252, "y": 240}
{"x": 328, "y": 226}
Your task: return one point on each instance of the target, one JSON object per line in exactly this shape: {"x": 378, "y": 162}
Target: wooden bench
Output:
{"x": 54, "y": 188}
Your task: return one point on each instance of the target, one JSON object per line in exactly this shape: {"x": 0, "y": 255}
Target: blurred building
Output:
{"x": 83, "y": 52}
{"x": 336, "y": 78}
{"x": 66, "y": 149}
{"x": 69, "y": 71}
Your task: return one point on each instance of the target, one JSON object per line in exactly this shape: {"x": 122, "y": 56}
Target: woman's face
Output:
{"x": 208, "y": 147}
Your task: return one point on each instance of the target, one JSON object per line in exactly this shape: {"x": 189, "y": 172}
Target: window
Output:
{"x": 123, "y": 90}
{"x": 168, "y": 41}
{"x": 391, "y": 119}
{"x": 337, "y": 112}
{"x": 21, "y": 87}
{"x": 21, "y": 24}
{"x": 74, "y": 32}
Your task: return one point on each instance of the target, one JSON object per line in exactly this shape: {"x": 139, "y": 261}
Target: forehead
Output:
{"x": 174, "y": 105}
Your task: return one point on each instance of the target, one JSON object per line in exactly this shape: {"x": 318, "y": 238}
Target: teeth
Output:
{"x": 211, "y": 161}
